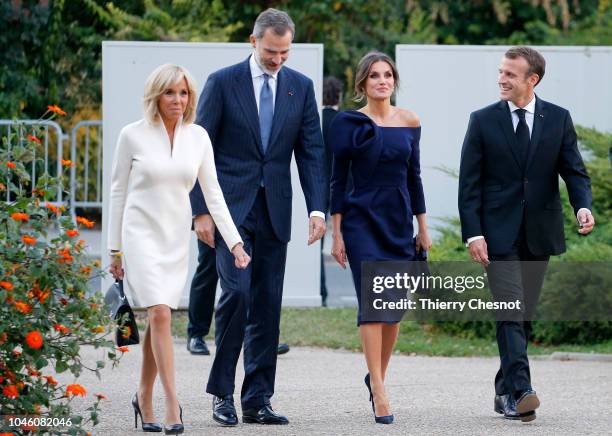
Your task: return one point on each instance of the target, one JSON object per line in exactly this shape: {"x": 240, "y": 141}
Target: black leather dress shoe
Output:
{"x": 265, "y": 415}
{"x": 196, "y": 345}
{"x": 224, "y": 411}
{"x": 526, "y": 404}
{"x": 505, "y": 405}
{"x": 282, "y": 349}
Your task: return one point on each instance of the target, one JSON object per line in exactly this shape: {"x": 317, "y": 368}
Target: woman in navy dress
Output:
{"x": 379, "y": 146}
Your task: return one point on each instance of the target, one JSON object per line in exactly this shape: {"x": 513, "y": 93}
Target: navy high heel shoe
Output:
{"x": 176, "y": 428}
{"x": 378, "y": 419}
{"x": 149, "y": 427}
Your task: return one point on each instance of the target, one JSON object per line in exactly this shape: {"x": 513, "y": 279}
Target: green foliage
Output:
{"x": 45, "y": 312}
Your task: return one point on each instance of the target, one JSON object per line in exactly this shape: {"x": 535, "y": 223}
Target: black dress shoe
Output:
{"x": 505, "y": 405}
{"x": 526, "y": 403}
{"x": 196, "y": 345}
{"x": 265, "y": 415}
{"x": 224, "y": 411}
{"x": 282, "y": 349}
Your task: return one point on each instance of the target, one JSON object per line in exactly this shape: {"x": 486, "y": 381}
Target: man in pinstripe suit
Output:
{"x": 258, "y": 114}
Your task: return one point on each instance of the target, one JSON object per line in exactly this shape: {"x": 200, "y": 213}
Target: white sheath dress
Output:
{"x": 150, "y": 212}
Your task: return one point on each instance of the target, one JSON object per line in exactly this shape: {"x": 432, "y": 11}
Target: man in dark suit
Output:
{"x": 510, "y": 209}
{"x": 332, "y": 91}
{"x": 258, "y": 115}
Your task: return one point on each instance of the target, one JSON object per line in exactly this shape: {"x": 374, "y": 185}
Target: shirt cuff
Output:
{"x": 583, "y": 208}
{"x": 317, "y": 213}
{"x": 472, "y": 239}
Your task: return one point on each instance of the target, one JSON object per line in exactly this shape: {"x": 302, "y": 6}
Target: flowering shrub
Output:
{"x": 46, "y": 313}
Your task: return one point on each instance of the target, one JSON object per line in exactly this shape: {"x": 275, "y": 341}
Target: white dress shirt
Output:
{"x": 257, "y": 74}
{"x": 529, "y": 116}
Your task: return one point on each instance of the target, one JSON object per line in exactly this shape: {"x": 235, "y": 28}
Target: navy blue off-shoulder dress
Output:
{"x": 387, "y": 191}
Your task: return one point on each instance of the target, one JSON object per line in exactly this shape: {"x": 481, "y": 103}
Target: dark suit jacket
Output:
{"x": 228, "y": 111}
{"x": 497, "y": 192}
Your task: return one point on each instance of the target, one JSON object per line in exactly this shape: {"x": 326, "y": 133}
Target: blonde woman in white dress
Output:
{"x": 156, "y": 163}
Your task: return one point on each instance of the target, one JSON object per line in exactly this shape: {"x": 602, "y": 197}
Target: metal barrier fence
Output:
{"x": 85, "y": 142}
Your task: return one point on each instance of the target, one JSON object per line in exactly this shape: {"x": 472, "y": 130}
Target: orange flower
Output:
{"x": 52, "y": 207}
{"x": 87, "y": 223}
{"x": 50, "y": 380}
{"x": 72, "y": 233}
{"x": 101, "y": 397}
{"x": 3, "y": 338}
{"x": 67, "y": 163}
{"x": 62, "y": 329}
{"x": 98, "y": 329}
{"x": 18, "y": 216}
{"x": 10, "y": 391}
{"x": 34, "y": 340}
{"x": 66, "y": 257}
{"x": 28, "y": 240}
{"x": 7, "y": 285}
{"x": 10, "y": 164}
{"x": 32, "y": 371}
{"x": 2, "y": 187}
{"x": 86, "y": 270}
{"x": 33, "y": 139}
{"x": 123, "y": 349}
{"x": 75, "y": 389}
{"x": 96, "y": 263}
{"x": 56, "y": 109}
{"x": 7, "y": 434}
{"x": 22, "y": 307}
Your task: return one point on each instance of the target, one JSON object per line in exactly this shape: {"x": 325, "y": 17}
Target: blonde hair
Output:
{"x": 162, "y": 78}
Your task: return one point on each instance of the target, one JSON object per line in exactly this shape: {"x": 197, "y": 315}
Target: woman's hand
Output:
{"x": 338, "y": 250}
{"x": 241, "y": 258}
{"x": 423, "y": 241}
{"x": 116, "y": 268}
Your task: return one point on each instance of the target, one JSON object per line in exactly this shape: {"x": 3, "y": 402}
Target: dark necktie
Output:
{"x": 522, "y": 135}
{"x": 266, "y": 112}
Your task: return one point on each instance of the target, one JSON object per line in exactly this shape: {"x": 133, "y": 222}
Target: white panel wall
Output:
{"x": 444, "y": 84}
{"x": 125, "y": 67}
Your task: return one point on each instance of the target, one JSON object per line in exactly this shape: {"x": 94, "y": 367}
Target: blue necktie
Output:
{"x": 266, "y": 112}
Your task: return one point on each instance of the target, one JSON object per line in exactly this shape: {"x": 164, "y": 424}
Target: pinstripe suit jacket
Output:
{"x": 228, "y": 111}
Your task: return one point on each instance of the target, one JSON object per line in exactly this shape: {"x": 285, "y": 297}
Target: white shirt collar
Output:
{"x": 529, "y": 108}
{"x": 257, "y": 70}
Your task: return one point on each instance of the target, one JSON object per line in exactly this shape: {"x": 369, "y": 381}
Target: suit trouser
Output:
{"x": 202, "y": 292}
{"x": 517, "y": 275}
{"x": 249, "y": 310}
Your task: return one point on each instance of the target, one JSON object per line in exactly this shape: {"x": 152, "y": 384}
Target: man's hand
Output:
{"x": 316, "y": 229}
{"x": 586, "y": 221}
{"x": 116, "y": 268}
{"x": 204, "y": 227}
{"x": 478, "y": 251}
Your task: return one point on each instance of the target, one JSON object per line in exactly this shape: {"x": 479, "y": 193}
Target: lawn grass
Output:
{"x": 336, "y": 328}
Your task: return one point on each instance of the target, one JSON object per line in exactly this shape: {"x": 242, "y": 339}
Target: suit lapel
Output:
{"x": 245, "y": 94}
{"x": 538, "y": 122}
{"x": 281, "y": 104}
{"x": 505, "y": 120}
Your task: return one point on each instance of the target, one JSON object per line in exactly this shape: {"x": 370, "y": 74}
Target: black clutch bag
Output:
{"x": 421, "y": 268}
{"x": 119, "y": 309}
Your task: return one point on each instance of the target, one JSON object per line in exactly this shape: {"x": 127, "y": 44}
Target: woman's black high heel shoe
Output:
{"x": 176, "y": 428}
{"x": 151, "y": 427}
{"x": 378, "y": 419}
